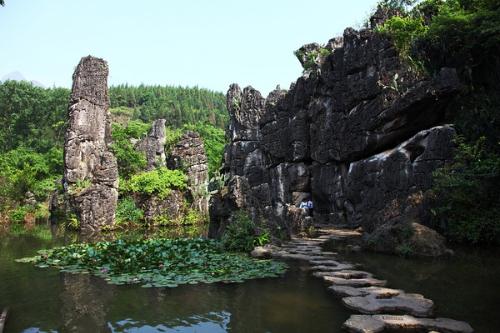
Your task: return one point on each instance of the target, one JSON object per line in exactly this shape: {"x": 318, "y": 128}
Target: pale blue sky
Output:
{"x": 190, "y": 42}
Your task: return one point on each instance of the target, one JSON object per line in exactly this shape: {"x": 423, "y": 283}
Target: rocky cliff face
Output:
{"x": 360, "y": 132}
{"x": 153, "y": 145}
{"x": 90, "y": 169}
{"x": 189, "y": 155}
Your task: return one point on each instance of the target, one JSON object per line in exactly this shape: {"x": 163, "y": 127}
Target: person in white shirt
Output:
{"x": 310, "y": 207}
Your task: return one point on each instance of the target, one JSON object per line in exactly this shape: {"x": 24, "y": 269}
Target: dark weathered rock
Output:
{"x": 90, "y": 169}
{"x": 153, "y": 145}
{"x": 361, "y": 133}
{"x": 382, "y": 14}
{"x": 172, "y": 207}
{"x": 246, "y": 108}
{"x": 189, "y": 155}
{"x": 411, "y": 239}
{"x": 374, "y": 191}
{"x": 29, "y": 199}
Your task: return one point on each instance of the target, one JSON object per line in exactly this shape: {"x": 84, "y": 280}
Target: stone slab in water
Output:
{"x": 363, "y": 282}
{"x": 375, "y": 303}
{"x": 353, "y": 274}
{"x": 364, "y": 324}
{"x": 348, "y": 291}
{"x": 325, "y": 262}
{"x": 286, "y": 255}
{"x": 345, "y": 274}
{"x": 324, "y": 268}
{"x": 379, "y": 323}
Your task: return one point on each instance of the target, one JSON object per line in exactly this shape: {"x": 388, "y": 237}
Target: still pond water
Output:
{"x": 466, "y": 287}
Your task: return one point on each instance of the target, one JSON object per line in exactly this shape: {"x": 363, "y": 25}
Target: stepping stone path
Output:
{"x": 382, "y": 308}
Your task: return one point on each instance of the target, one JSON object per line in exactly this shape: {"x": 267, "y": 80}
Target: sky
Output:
{"x": 209, "y": 44}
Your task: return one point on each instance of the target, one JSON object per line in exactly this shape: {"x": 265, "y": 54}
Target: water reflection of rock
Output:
{"x": 85, "y": 303}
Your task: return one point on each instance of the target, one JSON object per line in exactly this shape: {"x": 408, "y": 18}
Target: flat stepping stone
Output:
{"x": 353, "y": 274}
{"x": 325, "y": 262}
{"x": 316, "y": 240}
{"x": 364, "y": 324}
{"x": 300, "y": 246}
{"x": 345, "y": 274}
{"x": 381, "y": 292}
{"x": 348, "y": 291}
{"x": 363, "y": 282}
{"x": 315, "y": 252}
{"x": 297, "y": 256}
{"x": 339, "y": 267}
{"x": 381, "y": 301}
{"x": 306, "y": 242}
{"x": 380, "y": 323}
{"x": 315, "y": 258}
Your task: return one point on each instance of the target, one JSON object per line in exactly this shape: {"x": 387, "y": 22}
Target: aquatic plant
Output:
{"x": 157, "y": 262}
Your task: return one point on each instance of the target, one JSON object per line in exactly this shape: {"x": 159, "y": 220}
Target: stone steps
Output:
{"x": 380, "y": 323}
{"x": 382, "y": 308}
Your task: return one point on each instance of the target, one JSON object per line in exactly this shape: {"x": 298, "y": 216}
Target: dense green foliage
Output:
{"x": 466, "y": 193}
{"x": 159, "y": 182}
{"x": 403, "y": 29}
{"x": 158, "y": 262}
{"x": 242, "y": 235}
{"x": 128, "y": 212}
{"x": 464, "y": 34}
{"x": 177, "y": 105}
{"x": 31, "y": 116}
{"x": 130, "y": 161}
{"x": 23, "y": 170}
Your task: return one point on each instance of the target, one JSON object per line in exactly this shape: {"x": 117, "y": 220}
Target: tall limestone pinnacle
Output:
{"x": 90, "y": 168}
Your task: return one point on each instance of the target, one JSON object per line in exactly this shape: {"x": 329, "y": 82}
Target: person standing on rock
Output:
{"x": 303, "y": 206}
{"x": 310, "y": 207}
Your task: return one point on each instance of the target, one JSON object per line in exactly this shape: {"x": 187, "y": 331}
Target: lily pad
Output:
{"x": 157, "y": 262}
